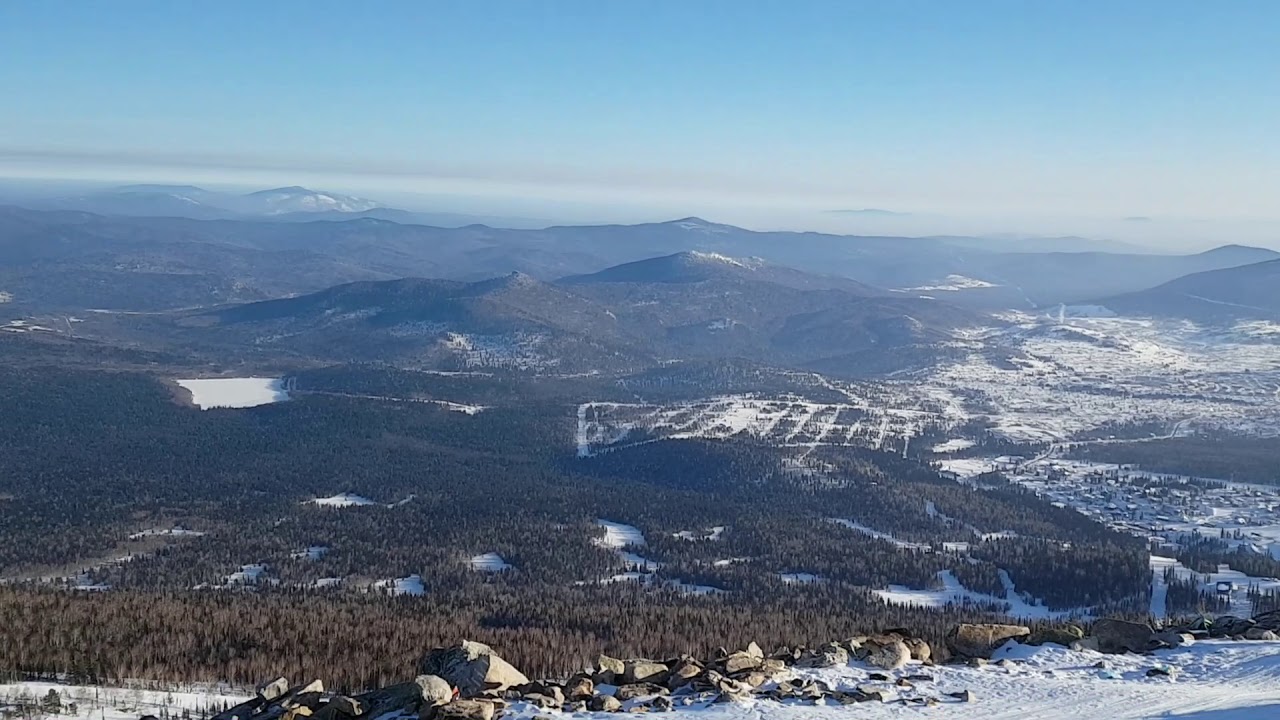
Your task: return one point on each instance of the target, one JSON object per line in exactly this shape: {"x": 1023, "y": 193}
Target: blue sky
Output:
{"x": 1020, "y": 115}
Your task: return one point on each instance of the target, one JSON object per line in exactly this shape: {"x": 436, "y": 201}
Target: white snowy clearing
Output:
{"x": 234, "y": 392}
{"x": 488, "y": 562}
{"x": 1212, "y": 680}
{"x": 618, "y": 536}
{"x": 955, "y": 283}
{"x": 343, "y": 500}
{"x": 953, "y": 593}
{"x": 411, "y": 585}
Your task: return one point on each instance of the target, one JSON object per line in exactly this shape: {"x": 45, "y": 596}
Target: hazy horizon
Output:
{"x": 1135, "y": 121}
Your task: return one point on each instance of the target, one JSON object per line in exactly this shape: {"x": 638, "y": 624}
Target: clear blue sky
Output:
{"x": 766, "y": 111}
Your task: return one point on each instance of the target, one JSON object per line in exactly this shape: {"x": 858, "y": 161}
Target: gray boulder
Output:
{"x": 980, "y": 640}
{"x": 740, "y": 662}
{"x": 639, "y": 690}
{"x": 270, "y": 691}
{"x": 465, "y": 710}
{"x": 920, "y": 649}
{"x": 436, "y": 691}
{"x": 609, "y": 670}
{"x": 471, "y": 667}
{"x": 890, "y": 656}
{"x": 1121, "y": 636}
{"x": 642, "y": 671}
{"x": 1257, "y": 633}
{"x": 604, "y": 703}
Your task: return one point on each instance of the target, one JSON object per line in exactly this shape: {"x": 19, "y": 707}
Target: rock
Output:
{"x": 771, "y": 667}
{"x": 980, "y": 640}
{"x": 1229, "y": 626}
{"x": 891, "y": 656}
{"x": 579, "y": 688}
{"x": 740, "y": 662}
{"x": 309, "y": 700}
{"x": 963, "y": 696}
{"x": 754, "y": 679}
{"x": 243, "y": 711}
{"x": 1083, "y": 644}
{"x": 347, "y": 705}
{"x": 608, "y": 670}
{"x": 639, "y": 690}
{"x": 1121, "y": 636}
{"x": 546, "y": 702}
{"x": 920, "y": 650}
{"x": 1257, "y": 633}
{"x": 869, "y": 693}
{"x": 978, "y": 662}
{"x": 644, "y": 671}
{"x": 829, "y": 655}
{"x": 662, "y": 703}
{"x": 436, "y": 691}
{"x": 270, "y": 691}
{"x": 1268, "y": 620}
{"x": 604, "y": 703}
{"x": 547, "y": 690}
{"x": 683, "y": 673}
{"x": 471, "y": 667}
{"x": 576, "y": 706}
{"x": 754, "y": 650}
{"x": 1160, "y": 671}
{"x": 1063, "y": 636}
{"x": 1173, "y": 639}
{"x": 466, "y": 710}
{"x": 297, "y": 713}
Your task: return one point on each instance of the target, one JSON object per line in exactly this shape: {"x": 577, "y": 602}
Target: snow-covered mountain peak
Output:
{"x": 294, "y": 199}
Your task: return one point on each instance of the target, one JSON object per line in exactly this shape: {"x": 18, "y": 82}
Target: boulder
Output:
{"x": 963, "y": 696}
{"x": 604, "y": 703}
{"x": 347, "y": 705}
{"x": 920, "y": 649}
{"x": 1268, "y": 620}
{"x": 829, "y": 655}
{"x": 980, "y": 640}
{"x": 754, "y": 650}
{"x": 1229, "y": 626}
{"x": 273, "y": 690}
{"x": 891, "y": 656}
{"x": 639, "y": 690}
{"x": 1084, "y": 644}
{"x": 243, "y": 711}
{"x": 641, "y": 671}
{"x": 1063, "y": 636}
{"x": 1121, "y": 636}
{"x": 740, "y": 662}
{"x": 465, "y": 710}
{"x": 471, "y": 667}
{"x": 436, "y": 691}
{"x": 1172, "y": 639}
{"x": 1257, "y": 633}
{"x": 579, "y": 688}
{"x": 684, "y": 671}
{"x": 609, "y": 670}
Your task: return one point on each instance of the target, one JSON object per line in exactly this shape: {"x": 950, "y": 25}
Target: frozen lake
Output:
{"x": 234, "y": 392}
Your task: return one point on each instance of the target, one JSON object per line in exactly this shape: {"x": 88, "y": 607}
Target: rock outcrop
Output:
{"x": 471, "y": 667}
{"x": 980, "y": 641}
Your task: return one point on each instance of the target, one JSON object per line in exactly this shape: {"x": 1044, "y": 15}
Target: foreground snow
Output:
{"x": 234, "y": 392}
{"x": 1213, "y": 680}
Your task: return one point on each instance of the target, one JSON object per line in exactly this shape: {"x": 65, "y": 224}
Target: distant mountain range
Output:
{"x": 70, "y": 260}
{"x": 285, "y": 204}
{"x": 684, "y": 306}
{"x": 1248, "y": 292}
